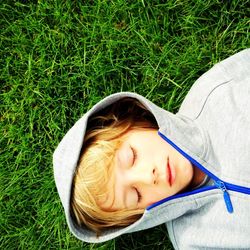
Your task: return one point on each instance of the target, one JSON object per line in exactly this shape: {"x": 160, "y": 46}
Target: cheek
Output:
{"x": 186, "y": 172}
{"x": 155, "y": 195}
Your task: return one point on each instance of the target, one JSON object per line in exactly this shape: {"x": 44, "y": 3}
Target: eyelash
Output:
{"x": 134, "y": 155}
{"x": 138, "y": 194}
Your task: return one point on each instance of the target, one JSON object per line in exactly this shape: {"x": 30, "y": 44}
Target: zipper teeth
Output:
{"x": 237, "y": 188}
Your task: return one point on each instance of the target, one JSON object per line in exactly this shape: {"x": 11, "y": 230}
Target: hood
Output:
{"x": 183, "y": 131}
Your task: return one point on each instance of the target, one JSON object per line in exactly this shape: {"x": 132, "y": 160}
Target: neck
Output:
{"x": 198, "y": 177}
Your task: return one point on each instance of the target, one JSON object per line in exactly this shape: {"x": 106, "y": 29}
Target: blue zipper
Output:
{"x": 200, "y": 190}
{"x": 223, "y": 186}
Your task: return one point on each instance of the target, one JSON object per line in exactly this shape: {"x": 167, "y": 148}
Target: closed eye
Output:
{"x": 138, "y": 195}
{"x": 135, "y": 155}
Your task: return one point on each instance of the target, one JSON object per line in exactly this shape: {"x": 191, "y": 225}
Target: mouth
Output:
{"x": 170, "y": 173}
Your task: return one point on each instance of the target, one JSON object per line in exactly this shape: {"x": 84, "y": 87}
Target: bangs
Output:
{"x": 99, "y": 178}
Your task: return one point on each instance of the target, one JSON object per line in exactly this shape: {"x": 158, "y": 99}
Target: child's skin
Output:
{"x": 148, "y": 169}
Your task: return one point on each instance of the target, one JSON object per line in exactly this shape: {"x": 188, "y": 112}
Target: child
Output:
{"x": 128, "y": 165}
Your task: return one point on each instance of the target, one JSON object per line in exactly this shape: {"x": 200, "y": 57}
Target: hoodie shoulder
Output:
{"x": 235, "y": 68}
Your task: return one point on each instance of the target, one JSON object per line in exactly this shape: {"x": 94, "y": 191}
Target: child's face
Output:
{"x": 147, "y": 169}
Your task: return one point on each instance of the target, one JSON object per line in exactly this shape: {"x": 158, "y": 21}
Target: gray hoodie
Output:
{"x": 212, "y": 130}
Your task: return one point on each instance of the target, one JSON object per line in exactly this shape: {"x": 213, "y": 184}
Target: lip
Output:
{"x": 170, "y": 173}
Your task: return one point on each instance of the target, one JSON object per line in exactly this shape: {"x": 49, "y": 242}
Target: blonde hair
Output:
{"x": 95, "y": 175}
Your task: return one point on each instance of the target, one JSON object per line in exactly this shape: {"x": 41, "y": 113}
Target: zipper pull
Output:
{"x": 222, "y": 187}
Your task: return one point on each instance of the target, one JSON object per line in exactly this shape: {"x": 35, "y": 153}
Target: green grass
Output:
{"x": 58, "y": 58}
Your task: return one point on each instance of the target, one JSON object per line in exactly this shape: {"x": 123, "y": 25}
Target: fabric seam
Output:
{"x": 208, "y": 96}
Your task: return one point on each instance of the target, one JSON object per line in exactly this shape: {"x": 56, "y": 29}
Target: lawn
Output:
{"x": 58, "y": 58}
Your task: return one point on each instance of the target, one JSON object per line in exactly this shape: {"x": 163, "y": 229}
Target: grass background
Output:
{"x": 58, "y": 58}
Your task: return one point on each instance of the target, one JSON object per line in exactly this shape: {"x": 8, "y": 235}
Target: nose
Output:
{"x": 147, "y": 176}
